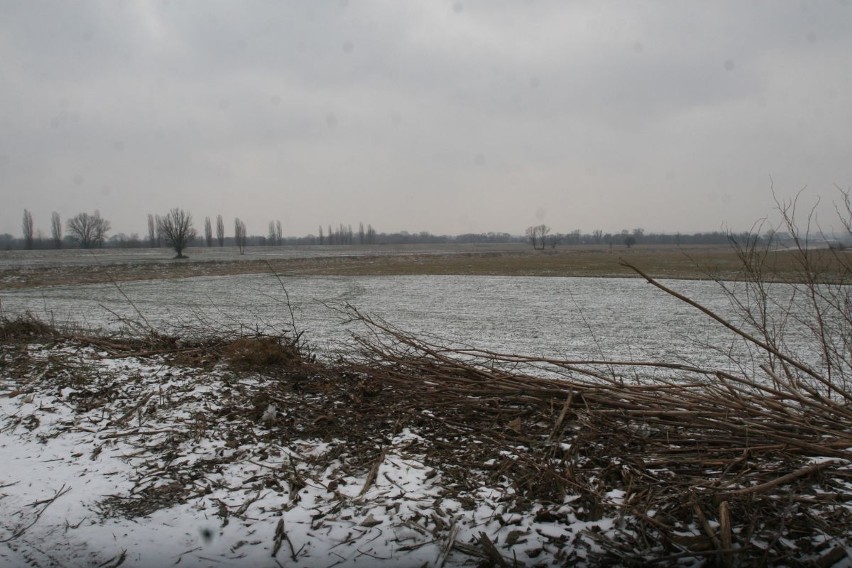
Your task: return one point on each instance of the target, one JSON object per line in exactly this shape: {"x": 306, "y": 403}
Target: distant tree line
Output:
{"x": 175, "y": 230}
{"x": 541, "y": 237}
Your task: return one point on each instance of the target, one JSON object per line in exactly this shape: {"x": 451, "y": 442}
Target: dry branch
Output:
{"x": 784, "y": 479}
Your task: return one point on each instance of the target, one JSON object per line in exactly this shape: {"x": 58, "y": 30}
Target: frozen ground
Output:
{"x": 575, "y": 317}
{"x": 572, "y": 318}
{"x": 147, "y": 465}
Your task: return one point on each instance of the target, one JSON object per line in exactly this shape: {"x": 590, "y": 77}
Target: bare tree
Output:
{"x": 89, "y": 230}
{"x": 152, "y": 231}
{"x": 56, "y": 230}
{"x": 177, "y": 229}
{"x": 321, "y": 237}
{"x": 208, "y": 232}
{"x": 532, "y": 235}
{"x": 240, "y": 235}
{"x": 638, "y": 235}
{"x": 278, "y": 234}
{"x": 27, "y": 227}
{"x": 160, "y": 236}
{"x": 538, "y": 236}
{"x": 270, "y": 236}
{"x": 220, "y": 230}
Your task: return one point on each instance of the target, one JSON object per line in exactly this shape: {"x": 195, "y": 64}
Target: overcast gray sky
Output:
{"x": 443, "y": 116}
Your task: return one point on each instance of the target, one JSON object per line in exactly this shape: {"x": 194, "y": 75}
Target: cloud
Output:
{"x": 442, "y": 116}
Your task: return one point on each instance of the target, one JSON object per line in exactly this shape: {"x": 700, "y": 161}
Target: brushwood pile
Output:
{"x": 247, "y": 450}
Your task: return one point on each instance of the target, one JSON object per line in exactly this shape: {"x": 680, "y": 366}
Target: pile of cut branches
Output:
{"x": 704, "y": 464}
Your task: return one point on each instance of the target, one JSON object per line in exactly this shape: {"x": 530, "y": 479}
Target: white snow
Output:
{"x": 64, "y": 469}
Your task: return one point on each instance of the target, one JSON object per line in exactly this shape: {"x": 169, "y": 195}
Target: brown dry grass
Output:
{"x": 23, "y": 328}
{"x": 663, "y": 261}
{"x": 260, "y": 353}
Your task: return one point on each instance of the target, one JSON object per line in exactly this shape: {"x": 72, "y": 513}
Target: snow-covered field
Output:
{"x": 594, "y": 318}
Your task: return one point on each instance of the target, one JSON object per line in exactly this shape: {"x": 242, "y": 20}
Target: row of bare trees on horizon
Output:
{"x": 85, "y": 229}
{"x": 89, "y": 230}
{"x": 174, "y": 229}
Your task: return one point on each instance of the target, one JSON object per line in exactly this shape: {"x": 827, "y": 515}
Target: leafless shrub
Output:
{"x": 25, "y": 326}
{"x": 801, "y": 325}
{"x": 261, "y": 353}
